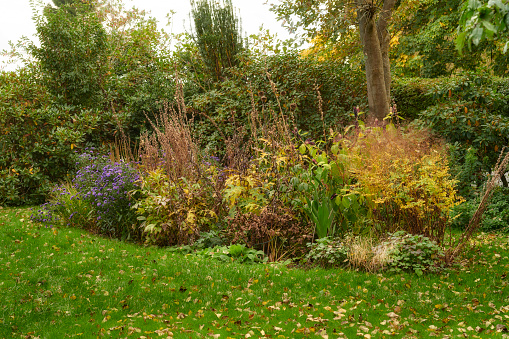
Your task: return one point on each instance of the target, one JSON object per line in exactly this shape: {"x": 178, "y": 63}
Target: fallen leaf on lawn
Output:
{"x": 322, "y": 333}
{"x": 363, "y": 328}
{"x": 317, "y": 319}
{"x": 131, "y": 330}
{"x": 392, "y": 315}
{"x": 501, "y": 328}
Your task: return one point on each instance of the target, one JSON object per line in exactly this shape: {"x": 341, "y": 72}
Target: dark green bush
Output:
{"x": 495, "y": 218}
{"x": 38, "y": 137}
{"x": 412, "y": 95}
{"x": 471, "y": 113}
{"x": 299, "y": 83}
{"x": 72, "y": 54}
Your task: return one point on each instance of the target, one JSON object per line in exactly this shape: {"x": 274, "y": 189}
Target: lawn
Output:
{"x": 58, "y": 283}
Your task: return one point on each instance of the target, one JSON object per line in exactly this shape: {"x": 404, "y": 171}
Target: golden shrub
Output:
{"x": 406, "y": 175}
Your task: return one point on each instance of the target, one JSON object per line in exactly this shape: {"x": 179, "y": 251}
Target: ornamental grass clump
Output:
{"x": 406, "y": 175}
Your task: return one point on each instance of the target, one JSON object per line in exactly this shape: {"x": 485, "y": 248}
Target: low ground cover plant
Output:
{"x": 408, "y": 252}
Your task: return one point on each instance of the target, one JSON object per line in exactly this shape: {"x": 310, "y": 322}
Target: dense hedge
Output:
{"x": 37, "y": 137}
{"x": 471, "y": 113}
{"x": 298, "y": 83}
{"x": 413, "y": 95}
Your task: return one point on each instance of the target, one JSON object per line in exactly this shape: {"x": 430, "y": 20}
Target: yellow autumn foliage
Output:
{"x": 406, "y": 174}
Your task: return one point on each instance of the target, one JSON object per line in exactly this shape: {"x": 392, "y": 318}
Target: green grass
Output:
{"x": 57, "y": 283}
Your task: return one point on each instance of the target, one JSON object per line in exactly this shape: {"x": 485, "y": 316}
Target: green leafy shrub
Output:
{"x": 465, "y": 168}
{"x": 327, "y": 252}
{"x": 38, "y": 138}
{"x": 495, "y": 218}
{"x": 72, "y": 54}
{"x": 310, "y": 94}
{"x": 247, "y": 192}
{"x": 415, "y": 253}
{"x": 413, "y": 95}
{"x": 471, "y": 112}
{"x": 174, "y": 212}
{"x": 142, "y": 71}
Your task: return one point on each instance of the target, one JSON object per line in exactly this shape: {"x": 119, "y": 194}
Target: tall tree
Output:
{"x": 72, "y": 6}
{"x": 218, "y": 35}
{"x": 329, "y": 18}
{"x": 72, "y": 53}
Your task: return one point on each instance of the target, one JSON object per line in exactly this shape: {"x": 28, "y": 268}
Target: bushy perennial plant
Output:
{"x": 407, "y": 176}
{"x": 496, "y": 217}
{"x": 327, "y": 252}
{"x": 99, "y": 198}
{"x": 415, "y": 253}
{"x": 65, "y": 207}
{"x": 176, "y": 212}
{"x": 107, "y": 186}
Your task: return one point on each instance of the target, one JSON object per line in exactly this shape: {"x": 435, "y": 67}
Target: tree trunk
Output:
{"x": 375, "y": 40}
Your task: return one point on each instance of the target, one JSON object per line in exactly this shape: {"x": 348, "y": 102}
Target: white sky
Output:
{"x": 16, "y": 17}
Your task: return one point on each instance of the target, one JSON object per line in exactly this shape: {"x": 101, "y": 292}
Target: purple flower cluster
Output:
{"x": 56, "y": 211}
{"x": 100, "y": 197}
{"x": 107, "y": 186}
{"x": 46, "y": 214}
